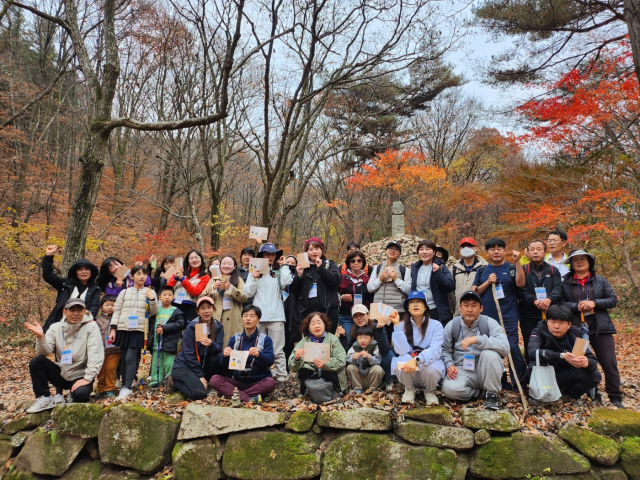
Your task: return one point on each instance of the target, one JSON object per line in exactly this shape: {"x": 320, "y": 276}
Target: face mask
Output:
{"x": 467, "y": 252}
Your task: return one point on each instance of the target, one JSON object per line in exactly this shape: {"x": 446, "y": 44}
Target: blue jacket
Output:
{"x": 260, "y": 365}
{"x": 441, "y": 282}
{"x": 188, "y": 358}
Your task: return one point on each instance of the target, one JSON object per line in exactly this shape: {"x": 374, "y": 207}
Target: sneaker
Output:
{"x": 491, "y": 401}
{"x": 118, "y": 384}
{"x": 594, "y": 395}
{"x": 256, "y": 400}
{"x": 388, "y": 386}
{"x": 430, "y": 398}
{"x": 124, "y": 394}
{"x": 357, "y": 391}
{"x": 110, "y": 395}
{"x": 409, "y": 395}
{"x": 58, "y": 398}
{"x": 617, "y": 402}
{"x": 42, "y": 403}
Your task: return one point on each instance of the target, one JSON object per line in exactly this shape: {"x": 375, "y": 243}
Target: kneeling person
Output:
{"x": 554, "y": 340}
{"x": 76, "y": 342}
{"x": 363, "y": 361}
{"x": 473, "y": 350}
{"x": 255, "y": 380}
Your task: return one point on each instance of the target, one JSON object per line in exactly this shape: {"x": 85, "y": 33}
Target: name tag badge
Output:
{"x": 541, "y": 293}
{"x": 313, "y": 293}
{"x": 180, "y": 297}
{"x": 226, "y": 303}
{"x": 285, "y": 295}
{"x": 357, "y": 299}
{"x": 499, "y": 291}
{"x": 133, "y": 321}
{"x": 66, "y": 357}
{"x": 469, "y": 362}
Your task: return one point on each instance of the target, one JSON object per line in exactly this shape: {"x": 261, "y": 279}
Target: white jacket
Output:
{"x": 133, "y": 302}
{"x": 267, "y": 294}
{"x": 431, "y": 344}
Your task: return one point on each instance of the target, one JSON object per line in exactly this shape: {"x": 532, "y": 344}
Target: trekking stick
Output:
{"x": 511, "y": 365}
{"x": 158, "y": 361}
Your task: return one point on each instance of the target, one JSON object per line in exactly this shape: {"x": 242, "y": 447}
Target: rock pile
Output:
{"x": 374, "y": 251}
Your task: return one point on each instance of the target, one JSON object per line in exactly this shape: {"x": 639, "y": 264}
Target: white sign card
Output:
{"x": 258, "y": 233}
{"x": 321, "y": 351}
{"x": 261, "y": 265}
{"x": 238, "y": 359}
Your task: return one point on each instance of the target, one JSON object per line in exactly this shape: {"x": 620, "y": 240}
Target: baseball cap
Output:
{"x": 471, "y": 295}
{"x": 468, "y": 240}
{"x": 205, "y": 299}
{"x": 395, "y": 244}
{"x": 359, "y": 309}
{"x": 72, "y": 302}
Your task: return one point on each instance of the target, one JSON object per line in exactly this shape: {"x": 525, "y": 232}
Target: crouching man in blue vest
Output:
{"x": 473, "y": 349}
{"x": 254, "y": 379}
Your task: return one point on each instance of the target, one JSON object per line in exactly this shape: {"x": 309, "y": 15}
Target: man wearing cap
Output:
{"x": 473, "y": 349}
{"x": 390, "y": 282}
{"x": 464, "y": 270}
{"x": 76, "y": 342}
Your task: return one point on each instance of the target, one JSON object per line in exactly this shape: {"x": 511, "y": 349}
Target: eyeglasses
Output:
{"x": 356, "y": 260}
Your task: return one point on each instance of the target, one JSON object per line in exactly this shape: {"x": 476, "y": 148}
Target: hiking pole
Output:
{"x": 158, "y": 361}
{"x": 511, "y": 365}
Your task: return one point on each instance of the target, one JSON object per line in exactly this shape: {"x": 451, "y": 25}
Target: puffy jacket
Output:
{"x": 112, "y": 287}
{"x": 171, "y": 331}
{"x": 133, "y": 302}
{"x": 267, "y": 294}
{"x": 327, "y": 278}
{"x": 441, "y": 283}
{"x": 337, "y": 362}
{"x": 66, "y": 286}
{"x": 87, "y": 350}
{"x": 463, "y": 279}
{"x": 380, "y": 335}
{"x": 550, "y": 279}
{"x": 551, "y": 347}
{"x": 260, "y": 365}
{"x": 194, "y": 355}
{"x": 390, "y": 293}
{"x": 372, "y": 348}
{"x": 601, "y": 293}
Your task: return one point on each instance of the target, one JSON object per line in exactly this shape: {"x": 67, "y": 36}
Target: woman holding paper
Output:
{"x": 417, "y": 341}
{"x": 590, "y": 296}
{"x": 227, "y": 290}
{"x": 315, "y": 329}
{"x": 353, "y": 291}
{"x": 167, "y": 262}
{"x": 199, "y": 358}
{"x": 188, "y": 286}
{"x": 111, "y": 278}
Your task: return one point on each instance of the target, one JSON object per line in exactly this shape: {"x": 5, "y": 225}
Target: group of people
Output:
{"x": 229, "y": 327}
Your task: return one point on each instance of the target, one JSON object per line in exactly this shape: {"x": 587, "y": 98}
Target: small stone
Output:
{"x": 496, "y": 421}
{"x": 5, "y": 451}
{"x": 317, "y": 429}
{"x": 131, "y": 474}
{"x": 608, "y": 422}
{"x": 630, "y": 457}
{"x": 434, "y": 435}
{"x": 197, "y": 459}
{"x": 439, "y": 415}
{"x": 175, "y": 398}
{"x": 81, "y": 419}
{"x": 84, "y": 469}
{"x": 18, "y": 440}
{"x": 29, "y": 421}
{"x": 593, "y": 446}
{"x": 369, "y": 419}
{"x": 612, "y": 473}
{"x": 481, "y": 437}
{"x": 49, "y": 453}
{"x": 92, "y": 449}
{"x": 462, "y": 466}
{"x": 301, "y": 421}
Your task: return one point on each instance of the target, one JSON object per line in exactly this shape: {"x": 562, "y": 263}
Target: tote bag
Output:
{"x": 543, "y": 385}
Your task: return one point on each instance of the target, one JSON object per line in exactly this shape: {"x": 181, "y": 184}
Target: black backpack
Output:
{"x": 456, "y": 327}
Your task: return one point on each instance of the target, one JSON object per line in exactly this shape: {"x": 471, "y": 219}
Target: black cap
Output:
{"x": 395, "y": 244}
{"x": 471, "y": 295}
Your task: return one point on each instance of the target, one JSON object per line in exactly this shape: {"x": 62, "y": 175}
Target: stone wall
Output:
{"x": 87, "y": 442}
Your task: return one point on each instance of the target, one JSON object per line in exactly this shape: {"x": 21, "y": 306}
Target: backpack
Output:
{"x": 512, "y": 271}
{"x": 456, "y": 326}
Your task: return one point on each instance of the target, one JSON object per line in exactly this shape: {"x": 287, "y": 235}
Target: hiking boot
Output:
{"x": 491, "y": 401}
{"x": 389, "y": 386}
{"x": 409, "y": 395}
{"x": 430, "y": 398}
{"x": 124, "y": 394}
{"x": 58, "y": 398}
{"x": 257, "y": 400}
{"x": 617, "y": 402}
{"x": 594, "y": 395}
{"x": 42, "y": 403}
{"x": 171, "y": 388}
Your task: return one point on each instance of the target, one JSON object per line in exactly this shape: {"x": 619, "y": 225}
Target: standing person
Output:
{"x": 198, "y": 361}
{"x": 167, "y": 262}
{"x": 431, "y": 276}
{"x": 418, "y": 344}
{"x": 541, "y": 280}
{"x": 354, "y": 247}
{"x": 464, "y": 270}
{"x": 556, "y": 243}
{"x": 507, "y": 277}
{"x": 227, "y": 290}
{"x": 107, "y": 375}
{"x": 130, "y": 316}
{"x": 80, "y": 282}
{"x": 292, "y": 322}
{"x": 188, "y": 286}
{"x": 75, "y": 341}
{"x": 353, "y": 290}
{"x": 316, "y": 287}
{"x": 390, "y": 282}
{"x": 590, "y": 297}
{"x": 108, "y": 283}
{"x": 255, "y": 380}
{"x": 246, "y": 255}
{"x": 266, "y": 291}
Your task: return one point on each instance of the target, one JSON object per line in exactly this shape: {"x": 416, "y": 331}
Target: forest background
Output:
{"x": 134, "y": 128}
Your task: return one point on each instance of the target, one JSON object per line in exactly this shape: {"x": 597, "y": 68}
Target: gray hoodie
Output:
{"x": 452, "y": 353}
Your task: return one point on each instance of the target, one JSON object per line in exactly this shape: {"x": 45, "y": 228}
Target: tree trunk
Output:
{"x": 628, "y": 267}
{"x": 632, "y": 17}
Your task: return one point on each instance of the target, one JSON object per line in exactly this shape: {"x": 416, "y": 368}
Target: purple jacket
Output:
{"x": 113, "y": 289}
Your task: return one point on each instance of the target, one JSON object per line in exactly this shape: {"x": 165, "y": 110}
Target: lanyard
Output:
{"x": 584, "y": 288}
{"x": 253, "y": 359}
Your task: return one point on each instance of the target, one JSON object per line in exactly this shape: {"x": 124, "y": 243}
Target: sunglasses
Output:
{"x": 356, "y": 260}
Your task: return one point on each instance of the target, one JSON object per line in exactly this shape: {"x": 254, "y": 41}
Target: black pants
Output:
{"x": 305, "y": 373}
{"x": 130, "y": 367}
{"x": 604, "y": 346}
{"x": 527, "y": 325}
{"x": 189, "y": 310}
{"x": 44, "y": 372}
{"x": 190, "y": 385}
{"x": 577, "y": 381}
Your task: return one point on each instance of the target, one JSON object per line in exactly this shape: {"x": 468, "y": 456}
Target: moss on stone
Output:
{"x": 500, "y": 421}
{"x": 84, "y": 469}
{"x": 370, "y": 419}
{"x": 197, "y": 460}
{"x": 439, "y": 415}
{"x": 78, "y": 419}
{"x": 601, "y": 449}
{"x": 630, "y": 457}
{"x": 175, "y": 398}
{"x": 608, "y": 421}
{"x": 49, "y": 453}
{"x": 611, "y": 473}
{"x": 272, "y": 455}
{"x": 301, "y": 421}
{"x": 16, "y": 474}
{"x": 5, "y": 451}
{"x": 29, "y": 421}
{"x": 435, "y": 435}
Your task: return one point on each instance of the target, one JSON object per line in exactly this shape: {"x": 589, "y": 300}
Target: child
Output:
{"x": 363, "y": 361}
{"x": 107, "y": 375}
{"x": 165, "y": 331}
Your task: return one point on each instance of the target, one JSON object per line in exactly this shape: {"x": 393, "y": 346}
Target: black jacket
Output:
{"x": 65, "y": 287}
{"x": 601, "y": 293}
{"x": 195, "y": 360}
{"x": 171, "y": 331}
{"x": 380, "y": 334}
{"x": 551, "y": 347}
{"x": 441, "y": 282}
{"x": 550, "y": 279}
{"x": 328, "y": 279}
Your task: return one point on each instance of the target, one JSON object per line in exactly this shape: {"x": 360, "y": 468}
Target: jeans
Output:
{"x": 346, "y": 322}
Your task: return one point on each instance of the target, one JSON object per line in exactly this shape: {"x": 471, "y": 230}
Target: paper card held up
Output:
{"x": 171, "y": 271}
{"x": 379, "y": 310}
{"x": 580, "y": 347}
{"x": 238, "y": 359}
{"x": 258, "y": 233}
{"x": 201, "y": 331}
{"x": 303, "y": 260}
{"x": 122, "y": 272}
{"x": 321, "y": 351}
{"x": 261, "y": 265}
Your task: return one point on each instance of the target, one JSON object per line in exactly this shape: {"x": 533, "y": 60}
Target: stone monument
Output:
{"x": 397, "y": 219}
